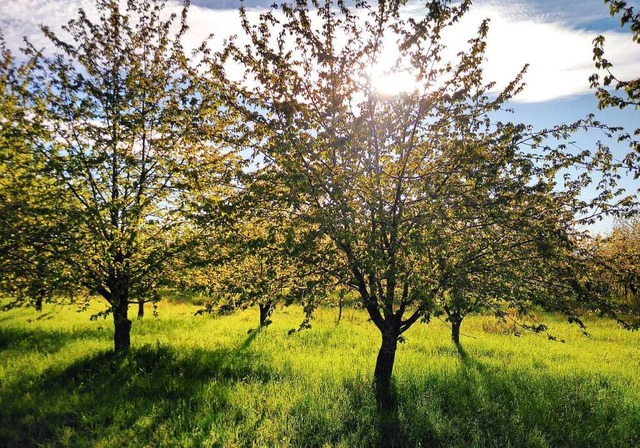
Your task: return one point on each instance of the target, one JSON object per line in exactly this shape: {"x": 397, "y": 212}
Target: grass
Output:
{"x": 200, "y": 381}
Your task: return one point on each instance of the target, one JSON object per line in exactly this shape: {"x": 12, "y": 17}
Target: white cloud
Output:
{"x": 542, "y": 34}
{"x": 558, "y": 53}
{"x": 22, "y": 18}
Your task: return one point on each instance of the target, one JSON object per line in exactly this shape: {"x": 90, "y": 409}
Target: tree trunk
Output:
{"x": 340, "y": 299}
{"x": 455, "y": 330}
{"x": 140, "y": 309}
{"x": 384, "y": 369}
{"x": 38, "y": 302}
{"x": 265, "y": 312}
{"x": 122, "y": 324}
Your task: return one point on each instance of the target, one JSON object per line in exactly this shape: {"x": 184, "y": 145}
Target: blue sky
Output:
{"x": 553, "y": 36}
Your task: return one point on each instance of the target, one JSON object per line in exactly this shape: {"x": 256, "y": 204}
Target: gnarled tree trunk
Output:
{"x": 140, "y": 309}
{"x": 120, "y": 306}
{"x": 39, "y": 300}
{"x": 455, "y": 316}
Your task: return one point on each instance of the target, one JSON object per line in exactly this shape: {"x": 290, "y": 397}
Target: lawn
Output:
{"x": 203, "y": 381}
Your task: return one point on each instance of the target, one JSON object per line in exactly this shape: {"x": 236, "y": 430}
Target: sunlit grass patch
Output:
{"x": 204, "y": 381}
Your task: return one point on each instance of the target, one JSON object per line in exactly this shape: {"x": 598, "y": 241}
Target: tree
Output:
{"x": 524, "y": 260}
{"x": 133, "y": 123}
{"x": 254, "y": 260}
{"x": 258, "y": 271}
{"x": 616, "y": 263}
{"x": 626, "y": 93}
{"x": 399, "y": 184}
{"x": 31, "y": 206}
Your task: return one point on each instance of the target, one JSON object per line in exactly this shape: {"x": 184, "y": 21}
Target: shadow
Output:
{"x": 140, "y": 392}
{"x": 468, "y": 362}
{"x": 486, "y": 403}
{"x": 176, "y": 396}
{"x": 253, "y": 333}
{"x": 44, "y": 341}
{"x": 391, "y": 431}
{"x": 464, "y": 356}
{"x": 4, "y": 316}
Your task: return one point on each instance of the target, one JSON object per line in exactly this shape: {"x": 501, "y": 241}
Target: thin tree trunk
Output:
{"x": 340, "y": 303}
{"x": 265, "y": 312}
{"x": 140, "y": 309}
{"x": 384, "y": 369}
{"x": 455, "y": 330}
{"x": 38, "y": 302}
{"x": 122, "y": 338}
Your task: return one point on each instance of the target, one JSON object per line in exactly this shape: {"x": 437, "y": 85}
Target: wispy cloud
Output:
{"x": 584, "y": 14}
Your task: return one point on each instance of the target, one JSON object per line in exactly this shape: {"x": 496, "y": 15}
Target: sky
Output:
{"x": 553, "y": 36}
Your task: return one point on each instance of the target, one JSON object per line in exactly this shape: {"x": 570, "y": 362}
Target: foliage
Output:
{"x": 133, "y": 123}
{"x": 420, "y": 194}
{"x": 253, "y": 268}
{"x": 616, "y": 263}
{"x": 625, "y": 93}
{"x": 252, "y": 260}
{"x": 32, "y": 207}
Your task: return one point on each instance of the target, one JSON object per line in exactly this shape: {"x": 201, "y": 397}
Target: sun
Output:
{"x": 390, "y": 83}
{"x": 389, "y": 76}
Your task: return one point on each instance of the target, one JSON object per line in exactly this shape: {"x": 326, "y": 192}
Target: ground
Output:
{"x": 203, "y": 381}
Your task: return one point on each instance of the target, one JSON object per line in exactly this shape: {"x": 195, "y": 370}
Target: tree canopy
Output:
{"x": 616, "y": 263}
{"x": 132, "y": 122}
{"x": 32, "y": 206}
{"x": 422, "y": 194}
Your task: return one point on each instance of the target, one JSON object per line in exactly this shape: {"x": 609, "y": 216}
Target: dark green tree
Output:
{"x": 250, "y": 257}
{"x": 257, "y": 270}
{"x": 616, "y": 263}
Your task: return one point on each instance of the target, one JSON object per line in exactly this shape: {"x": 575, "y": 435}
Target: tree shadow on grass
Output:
{"x": 164, "y": 396}
{"x": 150, "y": 396}
{"x": 487, "y": 404}
{"x": 253, "y": 333}
{"x": 23, "y": 340}
{"x": 391, "y": 431}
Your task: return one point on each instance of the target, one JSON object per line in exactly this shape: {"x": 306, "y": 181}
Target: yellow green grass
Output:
{"x": 203, "y": 381}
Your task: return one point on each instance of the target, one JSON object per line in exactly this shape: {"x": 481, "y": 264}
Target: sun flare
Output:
{"x": 392, "y": 83}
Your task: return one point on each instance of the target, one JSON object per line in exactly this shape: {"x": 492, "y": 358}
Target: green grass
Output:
{"x": 200, "y": 381}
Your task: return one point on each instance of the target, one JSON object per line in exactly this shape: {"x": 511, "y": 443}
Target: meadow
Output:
{"x": 203, "y": 381}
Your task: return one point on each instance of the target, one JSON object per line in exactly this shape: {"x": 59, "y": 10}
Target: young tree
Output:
{"x": 400, "y": 183}
{"x": 258, "y": 271}
{"x": 133, "y": 123}
{"x": 31, "y": 206}
{"x": 524, "y": 260}
{"x": 254, "y": 261}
